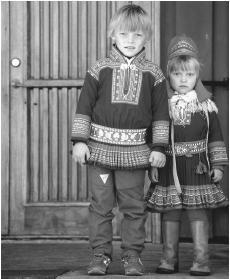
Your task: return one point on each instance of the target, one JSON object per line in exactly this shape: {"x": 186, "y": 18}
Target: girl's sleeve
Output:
{"x": 216, "y": 146}
{"x": 160, "y": 123}
{"x": 82, "y": 119}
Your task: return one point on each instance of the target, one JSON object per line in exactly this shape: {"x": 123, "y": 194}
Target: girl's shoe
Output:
{"x": 201, "y": 256}
{"x": 167, "y": 268}
{"x": 199, "y": 270}
{"x": 169, "y": 261}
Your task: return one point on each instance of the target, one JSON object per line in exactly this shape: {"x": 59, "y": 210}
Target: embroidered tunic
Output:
{"x": 121, "y": 101}
{"x": 198, "y": 147}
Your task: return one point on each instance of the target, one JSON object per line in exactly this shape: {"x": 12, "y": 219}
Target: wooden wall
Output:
{"x": 56, "y": 42}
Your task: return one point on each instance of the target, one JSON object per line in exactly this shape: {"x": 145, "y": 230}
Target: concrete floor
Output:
{"x": 70, "y": 261}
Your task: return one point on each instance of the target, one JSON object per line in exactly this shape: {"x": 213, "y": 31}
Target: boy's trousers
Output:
{"x": 109, "y": 188}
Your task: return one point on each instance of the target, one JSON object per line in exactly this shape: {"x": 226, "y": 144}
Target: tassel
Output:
{"x": 201, "y": 168}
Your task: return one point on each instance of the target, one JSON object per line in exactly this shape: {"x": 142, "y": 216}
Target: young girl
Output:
{"x": 123, "y": 95}
{"x": 195, "y": 160}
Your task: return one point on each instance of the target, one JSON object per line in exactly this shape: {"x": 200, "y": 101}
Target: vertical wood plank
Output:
{"x": 73, "y": 39}
{"x": 18, "y": 118}
{"x": 5, "y": 117}
{"x": 34, "y": 100}
{"x": 63, "y": 105}
{"x": 82, "y": 32}
{"x": 72, "y": 164}
{"x": 73, "y": 61}
{"x": 92, "y": 32}
{"x": 53, "y": 101}
{"x": 44, "y": 105}
{"x": 102, "y": 31}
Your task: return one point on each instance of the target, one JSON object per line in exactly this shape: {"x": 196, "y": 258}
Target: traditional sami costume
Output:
{"x": 197, "y": 146}
{"x": 120, "y": 100}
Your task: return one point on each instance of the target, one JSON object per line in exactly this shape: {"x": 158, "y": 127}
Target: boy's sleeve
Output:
{"x": 82, "y": 119}
{"x": 160, "y": 124}
{"x": 216, "y": 146}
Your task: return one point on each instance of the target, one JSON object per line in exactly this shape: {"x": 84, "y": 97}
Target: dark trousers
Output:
{"x": 109, "y": 188}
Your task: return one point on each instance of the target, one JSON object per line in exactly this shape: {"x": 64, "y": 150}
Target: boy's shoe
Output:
{"x": 99, "y": 265}
{"x": 132, "y": 265}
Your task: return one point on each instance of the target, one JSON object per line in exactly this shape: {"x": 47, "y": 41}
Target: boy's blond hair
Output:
{"x": 131, "y": 18}
{"x": 184, "y": 63}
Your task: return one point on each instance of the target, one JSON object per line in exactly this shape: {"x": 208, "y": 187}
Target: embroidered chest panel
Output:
{"x": 126, "y": 85}
{"x": 181, "y": 113}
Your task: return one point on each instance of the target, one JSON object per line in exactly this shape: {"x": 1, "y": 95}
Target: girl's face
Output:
{"x": 183, "y": 81}
{"x": 129, "y": 43}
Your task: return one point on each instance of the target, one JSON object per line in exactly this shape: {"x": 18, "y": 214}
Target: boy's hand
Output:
{"x": 81, "y": 153}
{"x": 153, "y": 174}
{"x": 216, "y": 175}
{"x": 157, "y": 159}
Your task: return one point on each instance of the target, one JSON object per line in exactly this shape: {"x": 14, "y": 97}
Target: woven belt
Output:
{"x": 117, "y": 136}
{"x": 187, "y": 148}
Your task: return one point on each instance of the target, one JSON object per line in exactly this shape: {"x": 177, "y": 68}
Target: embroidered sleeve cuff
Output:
{"x": 81, "y": 128}
{"x": 217, "y": 153}
{"x": 160, "y": 133}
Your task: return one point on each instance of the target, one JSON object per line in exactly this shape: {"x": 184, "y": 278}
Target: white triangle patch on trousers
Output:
{"x": 104, "y": 177}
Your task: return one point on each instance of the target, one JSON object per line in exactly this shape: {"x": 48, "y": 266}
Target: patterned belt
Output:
{"x": 117, "y": 136}
{"x": 187, "y": 148}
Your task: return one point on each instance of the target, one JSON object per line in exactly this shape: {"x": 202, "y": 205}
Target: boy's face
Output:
{"x": 129, "y": 43}
{"x": 183, "y": 81}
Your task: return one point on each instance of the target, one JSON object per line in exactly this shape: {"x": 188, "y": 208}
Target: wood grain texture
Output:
{"x": 5, "y": 119}
{"x": 64, "y": 40}
{"x": 18, "y": 120}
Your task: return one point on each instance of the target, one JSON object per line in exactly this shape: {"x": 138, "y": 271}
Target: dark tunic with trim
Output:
{"x": 121, "y": 100}
{"x": 199, "y": 147}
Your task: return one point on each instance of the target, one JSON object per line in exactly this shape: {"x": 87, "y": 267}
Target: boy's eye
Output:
{"x": 190, "y": 74}
{"x": 139, "y": 35}
{"x": 122, "y": 33}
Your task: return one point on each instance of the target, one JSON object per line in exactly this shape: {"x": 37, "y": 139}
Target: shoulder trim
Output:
{"x": 101, "y": 64}
{"x": 154, "y": 69}
{"x": 209, "y": 106}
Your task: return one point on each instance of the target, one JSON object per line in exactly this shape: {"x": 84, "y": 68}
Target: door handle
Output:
{"x": 16, "y": 84}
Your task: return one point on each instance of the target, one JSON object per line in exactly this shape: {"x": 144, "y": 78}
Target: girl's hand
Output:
{"x": 216, "y": 175}
{"x": 153, "y": 174}
{"x": 81, "y": 153}
{"x": 157, "y": 159}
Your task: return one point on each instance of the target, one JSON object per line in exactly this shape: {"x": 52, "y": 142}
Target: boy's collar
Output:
{"x": 117, "y": 55}
{"x": 202, "y": 93}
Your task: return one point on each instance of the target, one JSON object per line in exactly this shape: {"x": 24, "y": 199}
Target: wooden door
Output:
{"x": 207, "y": 23}
{"x": 47, "y": 48}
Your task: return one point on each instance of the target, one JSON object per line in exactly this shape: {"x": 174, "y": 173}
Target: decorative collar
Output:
{"x": 188, "y": 97}
{"x": 117, "y": 56}
{"x": 202, "y": 93}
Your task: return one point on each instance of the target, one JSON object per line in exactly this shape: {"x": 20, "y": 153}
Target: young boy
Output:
{"x": 123, "y": 95}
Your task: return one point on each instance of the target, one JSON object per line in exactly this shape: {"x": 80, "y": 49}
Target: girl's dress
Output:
{"x": 196, "y": 148}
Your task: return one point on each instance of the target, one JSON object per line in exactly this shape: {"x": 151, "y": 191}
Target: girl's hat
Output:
{"x": 182, "y": 45}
